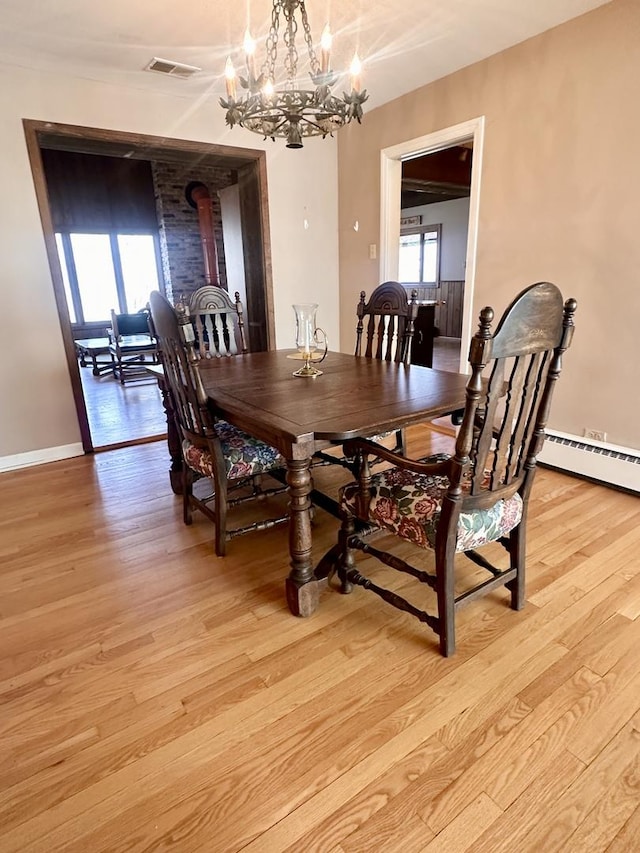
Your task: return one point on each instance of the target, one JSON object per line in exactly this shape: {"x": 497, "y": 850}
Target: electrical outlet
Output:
{"x": 595, "y": 434}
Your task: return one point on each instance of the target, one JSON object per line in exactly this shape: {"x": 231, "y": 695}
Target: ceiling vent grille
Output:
{"x": 175, "y": 69}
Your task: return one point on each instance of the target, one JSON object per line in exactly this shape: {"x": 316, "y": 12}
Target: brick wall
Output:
{"x": 180, "y": 242}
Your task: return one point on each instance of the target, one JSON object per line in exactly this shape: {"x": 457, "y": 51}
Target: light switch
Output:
{"x": 373, "y": 251}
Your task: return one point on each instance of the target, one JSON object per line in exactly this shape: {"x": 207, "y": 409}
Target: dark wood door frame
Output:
{"x": 251, "y": 166}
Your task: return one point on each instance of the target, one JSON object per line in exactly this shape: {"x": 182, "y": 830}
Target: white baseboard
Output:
{"x": 39, "y": 457}
{"x": 597, "y": 460}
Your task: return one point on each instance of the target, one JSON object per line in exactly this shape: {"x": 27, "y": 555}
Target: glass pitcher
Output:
{"x": 308, "y": 338}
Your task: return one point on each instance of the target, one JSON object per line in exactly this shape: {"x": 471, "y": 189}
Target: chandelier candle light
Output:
{"x": 291, "y": 112}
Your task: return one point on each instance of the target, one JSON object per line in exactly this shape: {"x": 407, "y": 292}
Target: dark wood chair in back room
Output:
{"x": 132, "y": 344}
{"x": 384, "y": 330}
{"x": 232, "y": 461}
{"x": 455, "y": 505}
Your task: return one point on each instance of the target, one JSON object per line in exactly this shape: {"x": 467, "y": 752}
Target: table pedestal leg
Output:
{"x": 301, "y": 585}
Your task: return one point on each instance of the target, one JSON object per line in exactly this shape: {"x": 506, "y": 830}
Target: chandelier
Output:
{"x": 291, "y": 112}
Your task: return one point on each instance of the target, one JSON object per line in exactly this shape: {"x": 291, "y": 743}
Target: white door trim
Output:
{"x": 390, "y": 184}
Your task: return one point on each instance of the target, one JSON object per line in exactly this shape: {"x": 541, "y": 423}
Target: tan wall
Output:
{"x": 559, "y": 198}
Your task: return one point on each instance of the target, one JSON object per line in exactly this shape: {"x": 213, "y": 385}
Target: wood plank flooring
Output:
{"x": 155, "y": 697}
{"x": 122, "y": 414}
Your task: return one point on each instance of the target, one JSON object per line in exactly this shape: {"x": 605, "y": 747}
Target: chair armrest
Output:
{"x": 372, "y": 448}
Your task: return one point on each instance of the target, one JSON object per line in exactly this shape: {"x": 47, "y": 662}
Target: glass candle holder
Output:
{"x": 308, "y": 338}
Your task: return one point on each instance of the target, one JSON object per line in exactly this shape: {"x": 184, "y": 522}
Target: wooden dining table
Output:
{"x": 353, "y": 397}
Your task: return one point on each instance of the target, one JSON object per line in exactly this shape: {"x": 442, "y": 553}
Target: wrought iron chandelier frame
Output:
{"x": 291, "y": 113}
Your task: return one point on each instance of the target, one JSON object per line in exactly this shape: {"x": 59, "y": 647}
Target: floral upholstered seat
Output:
{"x": 244, "y": 455}
{"x": 408, "y": 505}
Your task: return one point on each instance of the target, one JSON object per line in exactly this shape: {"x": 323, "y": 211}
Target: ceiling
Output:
{"x": 403, "y": 45}
{"x": 441, "y": 176}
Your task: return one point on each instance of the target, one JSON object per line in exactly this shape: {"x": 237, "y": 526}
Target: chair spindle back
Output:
{"x": 390, "y": 324}
{"x": 180, "y": 361}
{"x": 219, "y": 322}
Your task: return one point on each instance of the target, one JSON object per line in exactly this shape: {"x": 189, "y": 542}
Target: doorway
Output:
{"x": 248, "y": 164}
{"x": 434, "y": 226}
{"x": 468, "y": 134}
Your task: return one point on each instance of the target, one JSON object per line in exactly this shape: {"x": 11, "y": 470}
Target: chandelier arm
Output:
{"x": 318, "y": 129}
{"x": 277, "y": 129}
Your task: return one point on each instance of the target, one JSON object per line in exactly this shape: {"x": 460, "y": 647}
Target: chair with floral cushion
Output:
{"x": 457, "y": 504}
{"x": 232, "y": 460}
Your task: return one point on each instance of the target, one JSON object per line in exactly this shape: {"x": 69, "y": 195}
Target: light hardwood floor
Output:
{"x": 156, "y": 697}
{"x": 122, "y": 414}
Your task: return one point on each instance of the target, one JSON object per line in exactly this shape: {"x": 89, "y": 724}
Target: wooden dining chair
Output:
{"x": 457, "y": 504}
{"x": 387, "y": 322}
{"x": 231, "y": 460}
{"x": 385, "y": 329}
{"x": 218, "y": 322}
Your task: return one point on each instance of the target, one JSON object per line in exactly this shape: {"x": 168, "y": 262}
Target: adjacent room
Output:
{"x": 305, "y": 304}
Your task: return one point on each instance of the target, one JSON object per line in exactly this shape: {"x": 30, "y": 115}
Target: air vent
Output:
{"x": 175, "y": 69}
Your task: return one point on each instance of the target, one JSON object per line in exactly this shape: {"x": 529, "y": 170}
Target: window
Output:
{"x": 102, "y": 271}
{"x": 420, "y": 255}
{"x": 139, "y": 271}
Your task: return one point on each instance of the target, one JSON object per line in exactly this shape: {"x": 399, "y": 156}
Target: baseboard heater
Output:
{"x": 597, "y": 460}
